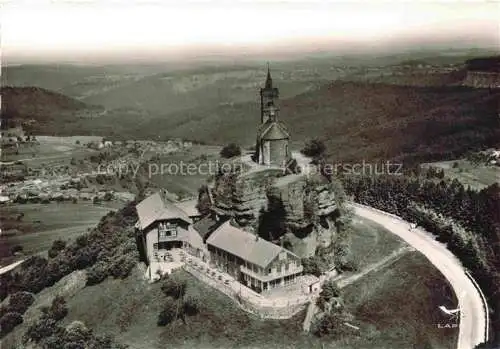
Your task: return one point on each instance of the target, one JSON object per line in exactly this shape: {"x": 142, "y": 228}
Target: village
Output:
{"x": 80, "y": 171}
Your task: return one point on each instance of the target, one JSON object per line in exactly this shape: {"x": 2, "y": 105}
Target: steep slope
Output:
{"x": 42, "y": 111}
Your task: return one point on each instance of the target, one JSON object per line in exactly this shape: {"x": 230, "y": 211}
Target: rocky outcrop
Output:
{"x": 288, "y": 194}
{"x": 295, "y": 208}
{"x": 480, "y": 79}
{"x": 243, "y": 196}
{"x": 483, "y": 72}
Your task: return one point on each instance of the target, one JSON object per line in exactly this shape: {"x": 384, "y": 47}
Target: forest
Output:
{"x": 467, "y": 221}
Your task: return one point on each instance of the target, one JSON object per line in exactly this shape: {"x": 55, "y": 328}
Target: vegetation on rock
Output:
{"x": 231, "y": 150}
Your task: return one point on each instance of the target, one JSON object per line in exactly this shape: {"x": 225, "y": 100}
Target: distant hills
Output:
{"x": 360, "y": 121}
{"x": 418, "y": 120}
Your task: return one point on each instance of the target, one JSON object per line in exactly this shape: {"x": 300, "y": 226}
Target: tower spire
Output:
{"x": 269, "y": 80}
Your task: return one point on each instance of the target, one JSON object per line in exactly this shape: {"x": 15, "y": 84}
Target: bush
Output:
{"x": 57, "y": 268}
{"x": 16, "y": 249}
{"x": 230, "y": 150}
{"x": 331, "y": 325}
{"x": 19, "y": 302}
{"x": 57, "y": 246}
{"x": 8, "y": 321}
{"x": 191, "y": 305}
{"x": 58, "y": 309}
{"x": 43, "y": 328}
{"x": 313, "y": 265}
{"x": 314, "y": 148}
{"x": 174, "y": 287}
{"x": 169, "y": 312}
{"x": 329, "y": 291}
{"x": 122, "y": 267}
{"x": 97, "y": 273}
{"x": 108, "y": 196}
{"x": 77, "y": 332}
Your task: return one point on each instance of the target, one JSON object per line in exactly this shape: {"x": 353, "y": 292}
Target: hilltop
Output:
{"x": 44, "y": 112}
{"x": 41, "y": 111}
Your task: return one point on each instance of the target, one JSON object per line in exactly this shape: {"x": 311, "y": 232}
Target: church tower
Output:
{"x": 268, "y": 98}
{"x": 272, "y": 136}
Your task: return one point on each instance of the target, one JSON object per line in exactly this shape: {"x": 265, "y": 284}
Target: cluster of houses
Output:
{"x": 168, "y": 146}
{"x": 164, "y": 225}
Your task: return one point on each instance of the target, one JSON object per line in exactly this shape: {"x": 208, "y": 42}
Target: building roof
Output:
{"x": 205, "y": 226}
{"x": 157, "y": 207}
{"x": 244, "y": 245}
{"x": 273, "y": 131}
{"x": 189, "y": 207}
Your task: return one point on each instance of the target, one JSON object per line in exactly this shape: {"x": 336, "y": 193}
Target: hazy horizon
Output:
{"x": 117, "y": 32}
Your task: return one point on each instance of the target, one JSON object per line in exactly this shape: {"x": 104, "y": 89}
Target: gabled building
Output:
{"x": 163, "y": 226}
{"x": 253, "y": 261}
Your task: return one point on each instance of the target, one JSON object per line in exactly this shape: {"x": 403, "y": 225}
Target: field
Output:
{"x": 475, "y": 176}
{"x": 52, "y": 151}
{"x": 41, "y": 224}
{"x": 401, "y": 302}
{"x": 177, "y": 177}
{"x": 371, "y": 242}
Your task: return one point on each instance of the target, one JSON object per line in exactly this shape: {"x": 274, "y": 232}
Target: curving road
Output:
{"x": 473, "y": 321}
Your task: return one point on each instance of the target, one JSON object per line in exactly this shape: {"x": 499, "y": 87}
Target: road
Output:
{"x": 473, "y": 325}
{"x": 10, "y": 267}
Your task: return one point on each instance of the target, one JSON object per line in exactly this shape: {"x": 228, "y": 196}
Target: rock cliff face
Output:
{"x": 292, "y": 208}
{"x": 483, "y": 72}
{"x": 480, "y": 79}
{"x": 250, "y": 195}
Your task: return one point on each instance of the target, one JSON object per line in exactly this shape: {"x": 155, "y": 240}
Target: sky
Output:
{"x": 129, "y": 29}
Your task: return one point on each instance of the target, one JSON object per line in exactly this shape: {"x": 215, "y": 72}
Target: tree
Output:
{"x": 19, "y": 302}
{"x": 8, "y": 321}
{"x": 191, "y": 305}
{"x": 57, "y": 310}
{"x": 203, "y": 205}
{"x": 314, "y": 148}
{"x": 230, "y": 150}
{"x": 329, "y": 292}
